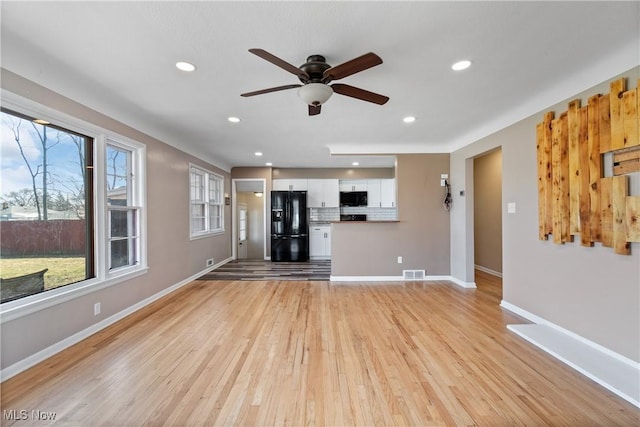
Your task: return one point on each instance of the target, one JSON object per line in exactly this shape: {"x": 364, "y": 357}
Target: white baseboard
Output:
{"x": 400, "y": 279}
{"x": 488, "y": 270}
{"x": 467, "y": 285}
{"x": 366, "y": 279}
{"x": 46, "y": 353}
{"x": 611, "y": 370}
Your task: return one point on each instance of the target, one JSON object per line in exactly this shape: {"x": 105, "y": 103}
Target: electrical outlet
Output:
{"x": 399, "y": 260}
{"x": 210, "y": 262}
{"x": 96, "y": 309}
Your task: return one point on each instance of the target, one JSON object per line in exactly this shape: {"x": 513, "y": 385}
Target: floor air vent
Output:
{"x": 413, "y": 274}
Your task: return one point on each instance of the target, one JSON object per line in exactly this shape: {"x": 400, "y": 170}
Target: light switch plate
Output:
{"x": 511, "y": 208}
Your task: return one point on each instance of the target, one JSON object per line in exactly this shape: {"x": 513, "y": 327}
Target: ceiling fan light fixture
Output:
{"x": 315, "y": 93}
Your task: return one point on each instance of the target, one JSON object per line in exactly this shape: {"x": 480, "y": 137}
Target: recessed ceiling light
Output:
{"x": 409, "y": 119}
{"x": 355, "y": 163}
{"x": 234, "y": 119}
{"x": 258, "y": 153}
{"x": 461, "y": 65}
{"x": 269, "y": 164}
{"x": 41, "y": 122}
{"x": 185, "y": 66}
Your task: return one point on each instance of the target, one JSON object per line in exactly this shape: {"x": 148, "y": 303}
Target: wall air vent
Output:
{"x": 413, "y": 274}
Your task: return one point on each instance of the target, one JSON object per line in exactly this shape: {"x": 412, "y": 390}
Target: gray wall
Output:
{"x": 421, "y": 236}
{"x": 172, "y": 256}
{"x": 487, "y": 212}
{"x": 589, "y": 291}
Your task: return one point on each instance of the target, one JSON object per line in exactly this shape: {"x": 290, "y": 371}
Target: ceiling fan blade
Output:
{"x": 280, "y": 63}
{"x": 358, "y": 93}
{"x": 271, "y": 89}
{"x": 314, "y": 110}
{"x": 348, "y": 68}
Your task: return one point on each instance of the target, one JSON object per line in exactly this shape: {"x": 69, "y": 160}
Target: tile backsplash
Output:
{"x": 333, "y": 214}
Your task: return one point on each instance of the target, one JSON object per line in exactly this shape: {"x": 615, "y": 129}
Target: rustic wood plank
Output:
{"x": 618, "y": 88}
{"x": 626, "y": 161}
{"x": 627, "y": 167}
{"x": 630, "y": 118}
{"x": 573, "y": 130}
{"x": 542, "y": 180}
{"x": 633, "y": 218}
{"x": 564, "y": 179}
{"x": 595, "y": 168}
{"x": 628, "y": 154}
{"x": 619, "y": 200}
{"x": 604, "y": 125}
{"x": 545, "y": 191}
{"x": 606, "y": 215}
{"x": 584, "y": 170}
{"x": 560, "y": 173}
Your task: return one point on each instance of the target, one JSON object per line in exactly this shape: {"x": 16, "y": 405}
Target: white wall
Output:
{"x": 589, "y": 291}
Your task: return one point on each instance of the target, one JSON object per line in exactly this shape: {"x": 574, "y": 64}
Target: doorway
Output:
{"x": 243, "y": 246}
{"x": 487, "y": 213}
{"x": 249, "y": 224}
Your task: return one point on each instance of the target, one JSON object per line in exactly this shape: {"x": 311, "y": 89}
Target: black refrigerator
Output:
{"x": 289, "y": 226}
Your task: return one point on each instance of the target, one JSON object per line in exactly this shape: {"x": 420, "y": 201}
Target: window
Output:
{"x": 46, "y": 207}
{"x": 207, "y": 204}
{"x": 123, "y": 214}
{"x": 72, "y": 213}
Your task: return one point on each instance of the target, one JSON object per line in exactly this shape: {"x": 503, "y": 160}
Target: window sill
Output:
{"x": 13, "y": 310}
{"x": 205, "y": 235}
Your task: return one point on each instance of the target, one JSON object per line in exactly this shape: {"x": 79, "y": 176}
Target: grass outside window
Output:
{"x": 63, "y": 270}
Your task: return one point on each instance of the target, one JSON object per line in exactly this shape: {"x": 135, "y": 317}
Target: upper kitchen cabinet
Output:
{"x": 381, "y": 193}
{"x": 323, "y": 193}
{"x": 388, "y": 193}
{"x": 289, "y": 185}
{"x": 353, "y": 185}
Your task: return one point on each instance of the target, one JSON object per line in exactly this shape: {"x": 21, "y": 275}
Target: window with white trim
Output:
{"x": 123, "y": 238}
{"x": 207, "y": 202}
{"x": 78, "y": 191}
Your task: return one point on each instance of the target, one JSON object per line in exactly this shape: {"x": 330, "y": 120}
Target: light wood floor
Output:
{"x": 267, "y": 353}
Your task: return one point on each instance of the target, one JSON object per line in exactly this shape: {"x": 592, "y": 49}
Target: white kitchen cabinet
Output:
{"x": 320, "y": 242}
{"x": 353, "y": 185}
{"x": 323, "y": 193}
{"x": 289, "y": 185}
{"x": 388, "y": 193}
{"x": 381, "y": 193}
{"x": 373, "y": 193}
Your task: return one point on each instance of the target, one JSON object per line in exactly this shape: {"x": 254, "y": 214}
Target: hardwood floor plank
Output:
{"x": 280, "y": 352}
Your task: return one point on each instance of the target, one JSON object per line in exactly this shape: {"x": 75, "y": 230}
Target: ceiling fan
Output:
{"x": 316, "y": 74}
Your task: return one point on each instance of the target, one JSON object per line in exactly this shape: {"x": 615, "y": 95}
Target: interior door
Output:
{"x": 242, "y": 231}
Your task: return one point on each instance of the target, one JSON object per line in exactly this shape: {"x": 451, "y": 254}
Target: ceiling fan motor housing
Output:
{"x": 315, "y": 67}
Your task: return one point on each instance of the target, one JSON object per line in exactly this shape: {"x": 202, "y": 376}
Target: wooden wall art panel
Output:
{"x": 633, "y": 219}
{"x": 574, "y": 197}
{"x": 545, "y": 193}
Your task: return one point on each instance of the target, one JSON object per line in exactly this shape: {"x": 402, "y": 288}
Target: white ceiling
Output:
{"x": 118, "y": 58}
